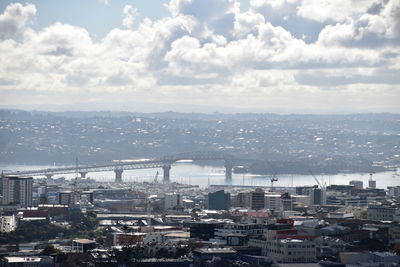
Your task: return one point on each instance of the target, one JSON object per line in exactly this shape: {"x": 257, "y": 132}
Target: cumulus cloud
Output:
{"x": 14, "y": 18}
{"x": 208, "y": 51}
{"x": 367, "y": 30}
{"x": 332, "y": 10}
{"x": 130, "y": 14}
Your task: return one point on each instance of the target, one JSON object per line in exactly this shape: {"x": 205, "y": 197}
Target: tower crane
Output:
{"x": 273, "y": 179}
{"x": 156, "y": 178}
{"x": 318, "y": 182}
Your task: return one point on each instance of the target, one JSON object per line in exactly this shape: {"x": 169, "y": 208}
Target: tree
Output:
{"x": 162, "y": 253}
{"x": 49, "y": 250}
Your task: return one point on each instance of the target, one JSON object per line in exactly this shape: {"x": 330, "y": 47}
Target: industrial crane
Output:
{"x": 156, "y": 178}
{"x": 273, "y": 179}
{"x": 318, "y": 182}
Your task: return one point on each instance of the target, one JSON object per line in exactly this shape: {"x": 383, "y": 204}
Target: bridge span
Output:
{"x": 119, "y": 167}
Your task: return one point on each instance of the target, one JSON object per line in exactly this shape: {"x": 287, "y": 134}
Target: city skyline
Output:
{"x": 283, "y": 56}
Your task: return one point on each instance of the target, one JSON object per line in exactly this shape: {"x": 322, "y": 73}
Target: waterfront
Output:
{"x": 189, "y": 173}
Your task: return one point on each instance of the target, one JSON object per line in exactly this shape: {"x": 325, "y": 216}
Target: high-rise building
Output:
{"x": 287, "y": 202}
{"x": 65, "y": 198}
{"x": 17, "y": 190}
{"x": 371, "y": 183}
{"x": 357, "y": 184}
{"x": 279, "y": 202}
{"x": 272, "y": 201}
{"x": 317, "y": 196}
{"x": 257, "y": 199}
{"x": 172, "y": 200}
{"x": 219, "y": 200}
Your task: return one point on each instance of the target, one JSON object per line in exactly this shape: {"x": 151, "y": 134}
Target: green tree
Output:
{"x": 49, "y": 250}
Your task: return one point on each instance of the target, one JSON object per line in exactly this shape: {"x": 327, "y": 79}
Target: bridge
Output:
{"x": 119, "y": 167}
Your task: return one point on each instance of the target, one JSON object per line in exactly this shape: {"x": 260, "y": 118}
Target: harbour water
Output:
{"x": 189, "y": 173}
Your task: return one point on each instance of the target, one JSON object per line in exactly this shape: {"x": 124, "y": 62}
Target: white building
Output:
{"x": 278, "y": 202}
{"x": 291, "y": 250}
{"x": 172, "y": 200}
{"x": 302, "y": 199}
{"x": 273, "y": 201}
{"x": 251, "y": 230}
{"x": 17, "y": 190}
{"x": 394, "y": 191}
{"x": 23, "y": 261}
{"x": 7, "y": 223}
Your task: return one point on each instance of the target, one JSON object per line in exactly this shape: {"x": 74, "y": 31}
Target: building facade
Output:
{"x": 219, "y": 200}
{"x": 17, "y": 190}
{"x": 257, "y": 199}
{"x": 172, "y": 200}
{"x": 292, "y": 250}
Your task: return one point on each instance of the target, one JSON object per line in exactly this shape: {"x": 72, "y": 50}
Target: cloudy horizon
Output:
{"x": 280, "y": 56}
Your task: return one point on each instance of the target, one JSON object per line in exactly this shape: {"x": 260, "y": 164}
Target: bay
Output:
{"x": 203, "y": 176}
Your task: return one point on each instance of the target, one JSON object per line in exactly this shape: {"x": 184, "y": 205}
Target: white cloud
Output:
{"x": 15, "y": 17}
{"x": 367, "y": 30}
{"x": 208, "y": 52}
{"x": 332, "y": 10}
{"x": 130, "y": 14}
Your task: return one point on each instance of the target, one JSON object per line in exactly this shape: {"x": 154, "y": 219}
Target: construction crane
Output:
{"x": 370, "y": 175}
{"x": 318, "y": 182}
{"x": 75, "y": 193}
{"x": 371, "y": 182}
{"x": 273, "y": 179}
{"x": 156, "y": 178}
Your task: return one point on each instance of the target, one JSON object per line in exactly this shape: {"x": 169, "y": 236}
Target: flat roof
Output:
{"x": 216, "y": 250}
{"x": 22, "y": 259}
{"x": 179, "y": 234}
{"x": 84, "y": 241}
{"x": 291, "y": 240}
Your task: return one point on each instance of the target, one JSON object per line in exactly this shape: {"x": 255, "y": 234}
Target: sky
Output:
{"x": 279, "y": 56}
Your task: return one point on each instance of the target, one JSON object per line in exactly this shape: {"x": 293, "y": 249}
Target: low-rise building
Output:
{"x": 83, "y": 245}
{"x": 291, "y": 250}
{"x": 203, "y": 230}
{"x": 250, "y": 230}
{"x": 203, "y": 254}
{"x": 22, "y": 261}
{"x": 127, "y": 239}
{"x": 380, "y": 213}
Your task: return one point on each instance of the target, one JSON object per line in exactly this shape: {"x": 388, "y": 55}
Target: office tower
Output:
{"x": 172, "y": 200}
{"x": 17, "y": 190}
{"x": 219, "y": 200}
{"x": 357, "y": 184}
{"x": 317, "y": 196}
{"x": 257, "y": 199}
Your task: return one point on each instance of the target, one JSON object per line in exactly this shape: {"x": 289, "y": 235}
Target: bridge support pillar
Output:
{"x": 228, "y": 170}
{"x": 48, "y": 176}
{"x": 83, "y": 174}
{"x": 118, "y": 175}
{"x": 166, "y": 169}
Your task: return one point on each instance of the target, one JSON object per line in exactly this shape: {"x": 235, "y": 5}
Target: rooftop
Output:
{"x": 22, "y": 259}
{"x": 84, "y": 241}
{"x": 216, "y": 250}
